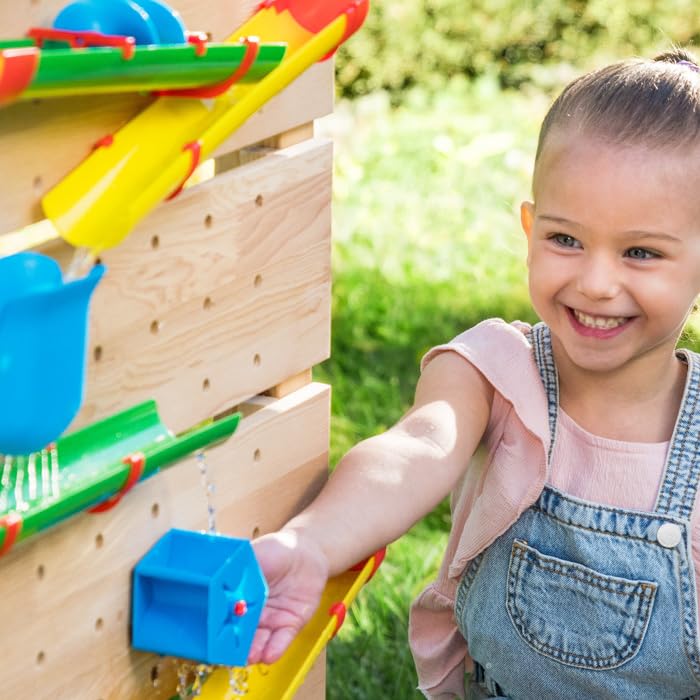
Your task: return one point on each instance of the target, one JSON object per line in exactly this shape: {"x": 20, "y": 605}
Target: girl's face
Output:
{"x": 613, "y": 248}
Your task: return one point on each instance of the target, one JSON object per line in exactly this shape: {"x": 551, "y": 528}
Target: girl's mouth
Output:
{"x": 597, "y": 326}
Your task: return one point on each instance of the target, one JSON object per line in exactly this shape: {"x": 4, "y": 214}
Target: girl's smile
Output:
{"x": 595, "y": 326}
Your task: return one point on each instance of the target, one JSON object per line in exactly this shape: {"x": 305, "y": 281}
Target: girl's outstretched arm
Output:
{"x": 376, "y": 493}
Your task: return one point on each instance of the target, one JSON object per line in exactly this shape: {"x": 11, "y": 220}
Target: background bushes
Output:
{"x": 410, "y": 42}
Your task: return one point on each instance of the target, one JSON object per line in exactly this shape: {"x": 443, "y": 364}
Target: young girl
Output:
{"x": 571, "y": 566}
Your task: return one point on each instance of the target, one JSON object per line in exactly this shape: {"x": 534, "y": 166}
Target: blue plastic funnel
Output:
{"x": 43, "y": 336}
{"x": 198, "y": 596}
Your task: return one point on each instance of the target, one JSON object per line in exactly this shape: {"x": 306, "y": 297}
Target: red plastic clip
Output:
{"x": 136, "y": 464}
{"x": 19, "y": 66}
{"x": 338, "y": 610}
{"x": 79, "y": 40}
{"x": 12, "y": 522}
{"x": 200, "y": 42}
{"x": 378, "y": 559}
{"x": 195, "y": 147}
{"x": 240, "y": 608}
{"x": 252, "y": 47}
{"x": 104, "y": 142}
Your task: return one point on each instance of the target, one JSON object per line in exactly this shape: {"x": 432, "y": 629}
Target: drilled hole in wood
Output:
{"x": 155, "y": 510}
{"x": 258, "y": 280}
{"x": 99, "y": 540}
{"x": 99, "y": 624}
{"x": 155, "y": 327}
{"x": 257, "y": 360}
{"x": 40, "y": 572}
{"x": 256, "y": 533}
{"x": 155, "y": 242}
{"x": 98, "y": 261}
{"x": 256, "y": 455}
{"x": 206, "y": 304}
{"x": 40, "y": 658}
{"x": 38, "y": 183}
{"x": 208, "y": 220}
{"x": 97, "y": 353}
{"x": 205, "y": 385}
{"x": 259, "y": 201}
{"x": 155, "y": 676}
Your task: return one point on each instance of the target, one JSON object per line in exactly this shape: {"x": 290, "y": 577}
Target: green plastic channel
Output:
{"x": 16, "y": 44}
{"x": 104, "y": 69}
{"x": 91, "y": 467}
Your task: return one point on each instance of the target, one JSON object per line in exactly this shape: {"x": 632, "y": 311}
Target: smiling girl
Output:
{"x": 572, "y": 563}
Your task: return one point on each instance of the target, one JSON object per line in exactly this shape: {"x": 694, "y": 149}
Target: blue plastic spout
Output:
{"x": 198, "y": 596}
{"x": 43, "y": 340}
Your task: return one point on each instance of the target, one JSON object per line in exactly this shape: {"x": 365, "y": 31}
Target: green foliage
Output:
{"x": 425, "y": 42}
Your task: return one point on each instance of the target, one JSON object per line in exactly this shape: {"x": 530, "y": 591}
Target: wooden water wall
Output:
{"x": 219, "y": 299}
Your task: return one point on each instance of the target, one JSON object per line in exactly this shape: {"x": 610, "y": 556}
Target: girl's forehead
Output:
{"x": 593, "y": 174}
{"x": 576, "y": 158}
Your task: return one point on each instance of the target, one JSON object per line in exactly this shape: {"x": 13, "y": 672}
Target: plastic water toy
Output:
{"x": 93, "y": 468}
{"x": 151, "y": 157}
{"x": 99, "y": 46}
{"x": 281, "y": 680}
{"x": 43, "y": 335}
{"x": 198, "y": 596}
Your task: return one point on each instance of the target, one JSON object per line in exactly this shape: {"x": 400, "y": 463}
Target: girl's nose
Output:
{"x": 598, "y": 278}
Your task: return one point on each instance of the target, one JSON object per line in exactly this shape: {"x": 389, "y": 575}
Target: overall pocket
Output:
{"x": 573, "y": 614}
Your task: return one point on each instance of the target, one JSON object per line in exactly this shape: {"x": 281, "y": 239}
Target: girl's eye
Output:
{"x": 564, "y": 240}
{"x": 641, "y": 254}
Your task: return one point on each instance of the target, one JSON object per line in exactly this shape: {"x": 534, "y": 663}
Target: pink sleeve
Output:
{"x": 438, "y": 648}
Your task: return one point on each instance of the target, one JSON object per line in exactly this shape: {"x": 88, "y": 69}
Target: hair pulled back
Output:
{"x": 652, "y": 102}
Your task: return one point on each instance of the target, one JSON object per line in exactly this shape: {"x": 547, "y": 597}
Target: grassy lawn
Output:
{"x": 427, "y": 243}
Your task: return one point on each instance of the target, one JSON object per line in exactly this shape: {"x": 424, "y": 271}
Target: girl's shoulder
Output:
{"x": 503, "y": 354}
{"x": 491, "y": 342}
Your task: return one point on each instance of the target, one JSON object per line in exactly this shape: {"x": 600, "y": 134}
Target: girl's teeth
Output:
{"x": 603, "y": 322}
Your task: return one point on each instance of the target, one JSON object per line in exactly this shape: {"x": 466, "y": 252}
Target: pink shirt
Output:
{"x": 508, "y": 476}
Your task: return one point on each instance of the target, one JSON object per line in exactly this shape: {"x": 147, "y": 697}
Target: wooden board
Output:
{"x": 66, "y": 592}
{"x": 42, "y": 141}
{"x": 219, "y": 295}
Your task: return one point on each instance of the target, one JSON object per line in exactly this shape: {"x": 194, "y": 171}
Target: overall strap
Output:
{"x": 680, "y": 482}
{"x": 541, "y": 339}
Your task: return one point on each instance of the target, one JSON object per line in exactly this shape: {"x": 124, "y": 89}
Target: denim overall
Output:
{"x": 580, "y": 600}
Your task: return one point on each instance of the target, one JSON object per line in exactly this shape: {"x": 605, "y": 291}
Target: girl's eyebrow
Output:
{"x": 634, "y": 233}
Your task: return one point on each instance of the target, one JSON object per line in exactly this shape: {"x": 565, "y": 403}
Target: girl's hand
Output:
{"x": 296, "y": 571}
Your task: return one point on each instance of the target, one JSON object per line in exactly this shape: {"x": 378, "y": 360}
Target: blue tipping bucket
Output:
{"x": 198, "y": 596}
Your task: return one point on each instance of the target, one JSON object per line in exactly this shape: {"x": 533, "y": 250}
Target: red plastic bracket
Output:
{"x": 12, "y": 522}
{"x": 104, "y": 142}
{"x": 195, "y": 147}
{"x": 80, "y": 40}
{"x": 200, "y": 42}
{"x": 252, "y": 47}
{"x": 339, "y": 611}
{"x": 136, "y": 463}
{"x": 378, "y": 559}
{"x": 19, "y": 66}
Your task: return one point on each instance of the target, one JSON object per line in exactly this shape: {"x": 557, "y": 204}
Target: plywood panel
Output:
{"x": 219, "y": 295}
{"x": 43, "y": 140}
{"x": 66, "y": 593}
{"x": 218, "y": 17}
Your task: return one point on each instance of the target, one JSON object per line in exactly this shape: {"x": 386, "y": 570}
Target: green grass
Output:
{"x": 427, "y": 242}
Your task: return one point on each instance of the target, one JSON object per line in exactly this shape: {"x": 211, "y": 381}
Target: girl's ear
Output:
{"x": 527, "y": 217}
